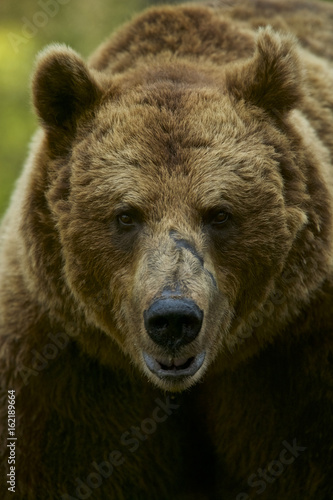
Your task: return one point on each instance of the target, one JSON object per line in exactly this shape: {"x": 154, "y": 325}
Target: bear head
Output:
{"x": 176, "y": 197}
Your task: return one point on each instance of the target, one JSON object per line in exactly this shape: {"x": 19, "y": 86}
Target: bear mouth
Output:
{"x": 174, "y": 367}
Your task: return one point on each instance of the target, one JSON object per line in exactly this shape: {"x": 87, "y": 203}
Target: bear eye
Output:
{"x": 126, "y": 221}
{"x": 220, "y": 218}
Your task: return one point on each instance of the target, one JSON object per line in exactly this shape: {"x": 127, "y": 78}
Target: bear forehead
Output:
{"x": 168, "y": 142}
{"x": 171, "y": 127}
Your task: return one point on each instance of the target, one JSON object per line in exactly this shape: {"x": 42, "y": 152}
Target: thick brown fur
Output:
{"x": 192, "y": 155}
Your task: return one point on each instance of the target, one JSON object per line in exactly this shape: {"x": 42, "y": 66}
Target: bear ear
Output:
{"x": 272, "y": 78}
{"x": 63, "y": 88}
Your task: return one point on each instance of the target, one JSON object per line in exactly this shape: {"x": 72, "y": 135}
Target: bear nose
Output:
{"x": 173, "y": 323}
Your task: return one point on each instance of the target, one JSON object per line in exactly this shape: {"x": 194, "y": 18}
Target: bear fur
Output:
{"x": 189, "y": 160}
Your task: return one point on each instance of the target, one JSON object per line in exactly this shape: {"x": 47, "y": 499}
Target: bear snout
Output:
{"x": 173, "y": 322}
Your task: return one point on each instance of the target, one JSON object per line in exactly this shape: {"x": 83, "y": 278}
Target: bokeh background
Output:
{"x": 26, "y": 26}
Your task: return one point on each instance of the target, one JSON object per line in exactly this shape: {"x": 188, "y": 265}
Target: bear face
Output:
{"x": 175, "y": 193}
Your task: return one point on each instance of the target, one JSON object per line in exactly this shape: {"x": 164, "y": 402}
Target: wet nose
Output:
{"x": 173, "y": 323}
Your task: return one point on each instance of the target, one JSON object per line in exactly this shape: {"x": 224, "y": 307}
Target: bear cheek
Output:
{"x": 90, "y": 265}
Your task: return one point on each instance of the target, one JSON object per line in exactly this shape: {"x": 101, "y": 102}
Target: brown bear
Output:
{"x": 166, "y": 299}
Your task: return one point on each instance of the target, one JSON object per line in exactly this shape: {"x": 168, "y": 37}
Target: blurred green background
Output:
{"x": 26, "y": 27}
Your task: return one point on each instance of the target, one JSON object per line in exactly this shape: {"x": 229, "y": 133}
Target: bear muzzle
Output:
{"x": 173, "y": 323}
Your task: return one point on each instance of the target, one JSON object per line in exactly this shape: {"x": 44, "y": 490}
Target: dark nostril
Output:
{"x": 173, "y": 322}
{"x": 159, "y": 323}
